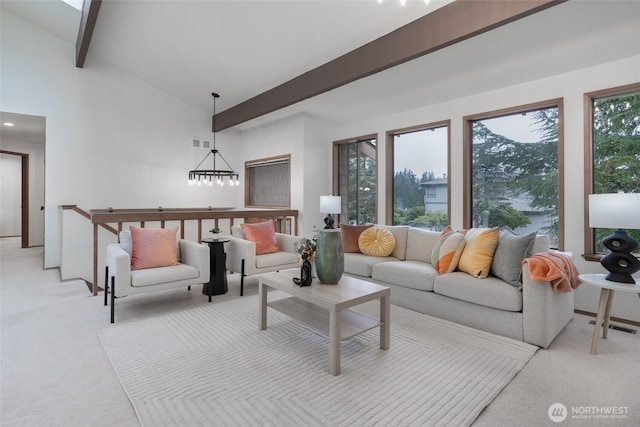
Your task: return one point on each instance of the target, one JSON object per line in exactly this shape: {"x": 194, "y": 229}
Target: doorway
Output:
{"x": 22, "y": 157}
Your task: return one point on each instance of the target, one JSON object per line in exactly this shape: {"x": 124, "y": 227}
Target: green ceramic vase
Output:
{"x": 329, "y": 256}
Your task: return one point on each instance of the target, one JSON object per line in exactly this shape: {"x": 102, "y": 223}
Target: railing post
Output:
{"x": 95, "y": 259}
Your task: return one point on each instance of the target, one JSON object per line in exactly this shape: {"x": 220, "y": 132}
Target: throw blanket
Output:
{"x": 556, "y": 268}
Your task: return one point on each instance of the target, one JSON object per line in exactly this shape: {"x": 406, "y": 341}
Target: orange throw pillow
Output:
{"x": 350, "y": 235}
{"x": 263, "y": 234}
{"x": 153, "y": 247}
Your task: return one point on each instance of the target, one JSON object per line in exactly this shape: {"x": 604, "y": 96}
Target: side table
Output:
{"x": 218, "y": 270}
{"x": 606, "y": 297}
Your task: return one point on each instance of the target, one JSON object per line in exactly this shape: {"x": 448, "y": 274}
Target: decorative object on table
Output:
{"x": 617, "y": 211}
{"x": 329, "y": 256}
{"x": 305, "y": 273}
{"x": 216, "y": 233}
{"x": 330, "y": 205}
{"x": 306, "y": 249}
{"x": 208, "y": 176}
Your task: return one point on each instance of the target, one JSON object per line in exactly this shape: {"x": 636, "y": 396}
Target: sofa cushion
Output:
{"x": 420, "y": 244}
{"x": 361, "y": 264}
{"x": 159, "y": 275}
{"x": 507, "y": 260}
{"x": 350, "y": 234}
{"x": 401, "y": 233}
{"x": 447, "y": 250}
{"x": 478, "y": 251}
{"x": 409, "y": 274}
{"x": 376, "y": 241}
{"x": 153, "y": 247}
{"x": 490, "y": 292}
{"x": 275, "y": 259}
{"x": 263, "y": 234}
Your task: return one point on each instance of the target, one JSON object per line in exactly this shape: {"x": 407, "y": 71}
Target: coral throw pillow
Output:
{"x": 350, "y": 235}
{"x": 447, "y": 250}
{"x": 377, "y": 241}
{"x": 478, "y": 252}
{"x": 153, "y": 247}
{"x": 263, "y": 234}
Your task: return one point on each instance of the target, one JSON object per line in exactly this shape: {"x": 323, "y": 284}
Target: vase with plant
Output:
{"x": 306, "y": 250}
{"x": 216, "y": 232}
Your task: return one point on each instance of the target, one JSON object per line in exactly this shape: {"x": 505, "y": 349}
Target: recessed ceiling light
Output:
{"x": 8, "y": 124}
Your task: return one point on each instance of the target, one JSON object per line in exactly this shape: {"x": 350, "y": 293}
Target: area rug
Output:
{"x": 211, "y": 366}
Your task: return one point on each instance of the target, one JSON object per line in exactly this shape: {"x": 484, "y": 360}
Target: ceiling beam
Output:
{"x": 88, "y": 21}
{"x": 445, "y": 26}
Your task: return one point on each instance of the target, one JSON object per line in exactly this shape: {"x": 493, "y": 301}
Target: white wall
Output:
{"x": 36, "y": 189}
{"x": 111, "y": 140}
{"x": 571, "y": 87}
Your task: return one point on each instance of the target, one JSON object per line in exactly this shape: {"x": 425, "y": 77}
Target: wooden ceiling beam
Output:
{"x": 88, "y": 21}
{"x": 445, "y": 26}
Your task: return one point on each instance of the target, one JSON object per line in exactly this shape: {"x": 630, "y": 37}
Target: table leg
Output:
{"x": 385, "y": 320}
{"x": 602, "y": 305}
{"x": 607, "y": 315}
{"x": 262, "y": 311}
{"x": 335, "y": 319}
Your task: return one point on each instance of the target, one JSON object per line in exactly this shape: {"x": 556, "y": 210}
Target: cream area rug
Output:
{"x": 211, "y": 366}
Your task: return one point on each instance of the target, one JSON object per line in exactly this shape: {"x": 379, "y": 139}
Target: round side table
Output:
{"x": 217, "y": 267}
{"x": 606, "y": 297}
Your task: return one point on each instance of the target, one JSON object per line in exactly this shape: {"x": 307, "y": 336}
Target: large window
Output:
{"x": 418, "y": 162}
{"x": 513, "y": 173}
{"x": 356, "y": 179}
{"x": 268, "y": 182}
{"x": 612, "y": 144}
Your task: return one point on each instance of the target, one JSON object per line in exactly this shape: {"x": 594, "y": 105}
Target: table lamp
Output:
{"x": 617, "y": 211}
{"x": 330, "y": 205}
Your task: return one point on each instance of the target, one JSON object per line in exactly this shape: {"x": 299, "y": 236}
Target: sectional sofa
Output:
{"x": 532, "y": 312}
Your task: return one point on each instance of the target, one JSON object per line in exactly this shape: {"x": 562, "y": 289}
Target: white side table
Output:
{"x": 606, "y": 297}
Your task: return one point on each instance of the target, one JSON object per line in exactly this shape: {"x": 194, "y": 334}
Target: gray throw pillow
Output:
{"x": 507, "y": 260}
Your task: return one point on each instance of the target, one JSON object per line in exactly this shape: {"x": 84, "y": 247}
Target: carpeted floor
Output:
{"x": 212, "y": 366}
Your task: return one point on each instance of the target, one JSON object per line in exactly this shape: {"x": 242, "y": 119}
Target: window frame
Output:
{"x": 247, "y": 179}
{"x": 335, "y": 180}
{"x": 467, "y": 155}
{"x": 389, "y": 153}
{"x": 589, "y": 233}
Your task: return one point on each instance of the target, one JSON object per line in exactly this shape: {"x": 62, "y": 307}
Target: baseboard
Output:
{"x": 613, "y": 319}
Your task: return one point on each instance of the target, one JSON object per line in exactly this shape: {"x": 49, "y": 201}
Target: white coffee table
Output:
{"x": 325, "y": 308}
{"x": 606, "y": 298}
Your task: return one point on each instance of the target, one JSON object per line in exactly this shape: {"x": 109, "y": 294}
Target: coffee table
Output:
{"x": 324, "y": 308}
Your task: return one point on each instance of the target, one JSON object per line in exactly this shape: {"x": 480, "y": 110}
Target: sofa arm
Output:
{"x": 287, "y": 242}
{"x": 241, "y": 249}
{"x": 196, "y": 255}
{"x": 545, "y": 311}
{"x": 119, "y": 264}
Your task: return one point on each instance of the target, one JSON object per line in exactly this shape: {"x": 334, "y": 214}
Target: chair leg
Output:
{"x": 113, "y": 299}
{"x": 242, "y": 278}
{"x": 106, "y": 284}
{"x": 189, "y": 287}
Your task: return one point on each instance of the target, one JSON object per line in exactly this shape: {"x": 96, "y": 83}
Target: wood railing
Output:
{"x": 285, "y": 221}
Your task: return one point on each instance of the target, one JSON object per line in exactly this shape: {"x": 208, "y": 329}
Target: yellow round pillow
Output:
{"x": 376, "y": 241}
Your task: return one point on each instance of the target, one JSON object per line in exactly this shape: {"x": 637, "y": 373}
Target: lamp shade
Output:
{"x": 330, "y": 204}
{"x": 615, "y": 210}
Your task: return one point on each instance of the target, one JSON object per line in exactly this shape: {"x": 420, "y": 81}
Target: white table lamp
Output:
{"x": 330, "y": 205}
{"x": 617, "y": 211}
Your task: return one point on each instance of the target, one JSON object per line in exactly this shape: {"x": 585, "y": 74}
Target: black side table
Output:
{"x": 218, "y": 270}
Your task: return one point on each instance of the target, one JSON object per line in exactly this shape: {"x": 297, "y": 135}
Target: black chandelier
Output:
{"x": 209, "y": 176}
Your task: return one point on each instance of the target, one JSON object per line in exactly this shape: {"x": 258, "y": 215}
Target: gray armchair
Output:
{"x": 121, "y": 281}
{"x": 242, "y": 258}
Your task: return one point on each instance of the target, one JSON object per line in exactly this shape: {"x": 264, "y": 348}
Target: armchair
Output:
{"x": 242, "y": 258}
{"x": 192, "y": 269}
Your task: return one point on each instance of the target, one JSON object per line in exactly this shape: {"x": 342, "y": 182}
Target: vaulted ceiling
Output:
{"x": 243, "y": 48}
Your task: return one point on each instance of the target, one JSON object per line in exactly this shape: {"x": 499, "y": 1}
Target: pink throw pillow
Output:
{"x": 153, "y": 247}
{"x": 350, "y": 235}
{"x": 263, "y": 234}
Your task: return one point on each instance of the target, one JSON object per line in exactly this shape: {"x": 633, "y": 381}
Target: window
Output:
{"x": 513, "y": 176}
{"x": 418, "y": 165}
{"x": 612, "y": 147}
{"x": 355, "y": 179}
{"x": 268, "y": 182}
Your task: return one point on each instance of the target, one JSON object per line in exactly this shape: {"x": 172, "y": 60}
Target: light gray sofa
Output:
{"x": 534, "y": 313}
